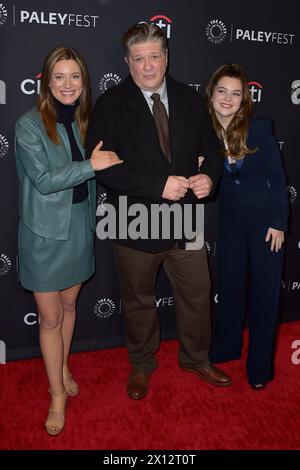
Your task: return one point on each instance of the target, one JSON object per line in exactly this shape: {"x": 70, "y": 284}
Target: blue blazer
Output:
{"x": 254, "y": 193}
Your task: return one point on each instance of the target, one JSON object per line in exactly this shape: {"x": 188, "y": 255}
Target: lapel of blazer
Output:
{"x": 139, "y": 105}
{"x": 177, "y": 119}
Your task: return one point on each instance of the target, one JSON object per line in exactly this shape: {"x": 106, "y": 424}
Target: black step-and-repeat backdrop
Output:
{"x": 263, "y": 37}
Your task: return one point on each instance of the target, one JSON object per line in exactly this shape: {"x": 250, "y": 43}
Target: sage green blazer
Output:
{"x": 47, "y": 175}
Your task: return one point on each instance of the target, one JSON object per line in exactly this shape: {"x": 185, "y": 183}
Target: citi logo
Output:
{"x": 3, "y": 14}
{"x": 31, "y": 319}
{"x": 196, "y": 86}
{"x": 5, "y": 264}
{"x": 30, "y": 86}
{"x": 109, "y": 80}
{"x": 295, "y": 92}
{"x": 2, "y": 92}
{"x": 3, "y": 146}
{"x": 216, "y": 31}
{"x": 163, "y": 22}
{"x": 104, "y": 308}
{"x": 255, "y": 89}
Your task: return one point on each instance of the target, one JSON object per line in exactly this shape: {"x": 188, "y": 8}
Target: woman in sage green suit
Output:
{"x": 57, "y": 208}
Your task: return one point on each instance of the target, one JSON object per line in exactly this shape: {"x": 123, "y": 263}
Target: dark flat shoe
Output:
{"x": 257, "y": 387}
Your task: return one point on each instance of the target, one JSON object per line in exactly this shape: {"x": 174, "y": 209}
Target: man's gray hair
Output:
{"x": 144, "y": 32}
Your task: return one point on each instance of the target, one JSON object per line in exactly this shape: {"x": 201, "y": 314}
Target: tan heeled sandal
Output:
{"x": 56, "y": 414}
{"x": 71, "y": 386}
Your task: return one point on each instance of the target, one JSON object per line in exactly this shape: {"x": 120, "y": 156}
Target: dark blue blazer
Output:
{"x": 123, "y": 120}
{"x": 254, "y": 193}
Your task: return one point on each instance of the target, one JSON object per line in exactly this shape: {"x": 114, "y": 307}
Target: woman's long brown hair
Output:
{"x": 45, "y": 103}
{"x": 237, "y": 131}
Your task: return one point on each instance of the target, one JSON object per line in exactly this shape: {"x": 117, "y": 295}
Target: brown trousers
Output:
{"x": 189, "y": 277}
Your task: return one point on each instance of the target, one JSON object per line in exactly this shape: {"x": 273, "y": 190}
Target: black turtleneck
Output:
{"x": 65, "y": 115}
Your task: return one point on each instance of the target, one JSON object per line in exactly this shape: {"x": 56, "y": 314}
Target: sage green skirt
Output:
{"x": 47, "y": 265}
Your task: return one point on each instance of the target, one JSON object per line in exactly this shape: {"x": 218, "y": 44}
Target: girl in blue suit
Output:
{"x": 57, "y": 208}
{"x": 253, "y": 211}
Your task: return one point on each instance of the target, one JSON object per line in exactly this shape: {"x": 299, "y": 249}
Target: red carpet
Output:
{"x": 180, "y": 412}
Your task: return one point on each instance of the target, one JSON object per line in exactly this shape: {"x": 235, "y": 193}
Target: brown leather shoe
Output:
{"x": 137, "y": 385}
{"x": 211, "y": 375}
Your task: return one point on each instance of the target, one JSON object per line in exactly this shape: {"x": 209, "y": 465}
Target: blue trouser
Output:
{"x": 249, "y": 276}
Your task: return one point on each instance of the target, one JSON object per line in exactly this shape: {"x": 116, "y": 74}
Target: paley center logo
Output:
{"x": 101, "y": 210}
{"x": 104, "y": 308}
{"x": 208, "y": 247}
{"x": 3, "y": 14}
{"x": 295, "y": 285}
{"x": 255, "y": 89}
{"x": 165, "y": 302}
{"x": 5, "y": 264}
{"x": 295, "y": 92}
{"x": 50, "y": 18}
{"x": 269, "y": 37}
{"x": 3, "y": 146}
{"x": 292, "y": 193}
{"x": 109, "y": 80}
{"x": 29, "y": 86}
{"x": 164, "y": 22}
{"x": 216, "y": 31}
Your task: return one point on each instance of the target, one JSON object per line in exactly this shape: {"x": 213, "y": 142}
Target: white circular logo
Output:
{"x": 3, "y": 146}
{"x": 216, "y": 31}
{"x": 295, "y": 92}
{"x": 104, "y": 308}
{"x": 292, "y": 192}
{"x": 5, "y": 264}
{"x": 101, "y": 209}
{"x": 109, "y": 80}
{"x": 3, "y": 14}
{"x": 207, "y": 247}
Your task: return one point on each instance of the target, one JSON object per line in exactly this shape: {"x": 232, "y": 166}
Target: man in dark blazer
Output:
{"x": 157, "y": 171}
